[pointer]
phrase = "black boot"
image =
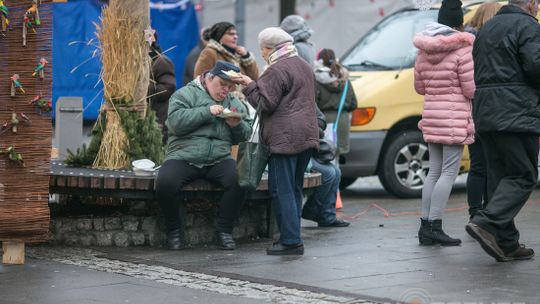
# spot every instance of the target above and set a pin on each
(440, 237)
(175, 240)
(225, 241)
(424, 234)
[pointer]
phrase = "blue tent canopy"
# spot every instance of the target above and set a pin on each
(76, 62)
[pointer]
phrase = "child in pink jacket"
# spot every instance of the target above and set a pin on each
(444, 74)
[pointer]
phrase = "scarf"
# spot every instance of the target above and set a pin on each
(282, 51)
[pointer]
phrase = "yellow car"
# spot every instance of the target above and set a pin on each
(385, 139)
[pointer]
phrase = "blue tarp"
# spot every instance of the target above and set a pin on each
(76, 62)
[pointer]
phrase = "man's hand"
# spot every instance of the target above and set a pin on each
(233, 121)
(240, 50)
(216, 109)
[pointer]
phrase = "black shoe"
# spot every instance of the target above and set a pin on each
(175, 240)
(308, 216)
(425, 235)
(335, 223)
(225, 241)
(439, 236)
(280, 249)
(486, 240)
(521, 253)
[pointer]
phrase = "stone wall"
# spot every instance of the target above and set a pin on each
(141, 226)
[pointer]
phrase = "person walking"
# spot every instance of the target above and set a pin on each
(222, 45)
(444, 74)
(331, 79)
(199, 147)
(286, 95)
(297, 27)
(477, 176)
(507, 66)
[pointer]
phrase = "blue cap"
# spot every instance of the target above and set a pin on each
(221, 67)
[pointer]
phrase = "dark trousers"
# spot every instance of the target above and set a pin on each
(477, 178)
(174, 174)
(285, 183)
(512, 160)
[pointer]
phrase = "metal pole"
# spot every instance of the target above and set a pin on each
(240, 20)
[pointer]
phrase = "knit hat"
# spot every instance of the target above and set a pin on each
(218, 30)
(271, 37)
(450, 13)
(293, 23)
(297, 27)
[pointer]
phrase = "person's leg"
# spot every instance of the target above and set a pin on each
(325, 195)
(233, 197)
(495, 165)
(172, 176)
(435, 167)
(520, 154)
(281, 183)
(476, 178)
(451, 158)
(302, 161)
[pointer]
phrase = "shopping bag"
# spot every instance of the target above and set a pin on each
(252, 157)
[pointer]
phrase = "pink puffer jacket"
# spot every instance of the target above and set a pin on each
(444, 74)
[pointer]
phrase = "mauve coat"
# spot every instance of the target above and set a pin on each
(286, 93)
(444, 74)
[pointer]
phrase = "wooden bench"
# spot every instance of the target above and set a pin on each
(200, 196)
(125, 184)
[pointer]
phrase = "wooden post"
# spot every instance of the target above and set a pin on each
(13, 252)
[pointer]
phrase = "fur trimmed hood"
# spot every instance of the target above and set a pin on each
(438, 41)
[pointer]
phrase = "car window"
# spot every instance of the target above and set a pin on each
(389, 45)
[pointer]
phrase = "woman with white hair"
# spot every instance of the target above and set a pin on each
(285, 93)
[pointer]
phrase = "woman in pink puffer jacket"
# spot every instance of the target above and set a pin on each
(444, 75)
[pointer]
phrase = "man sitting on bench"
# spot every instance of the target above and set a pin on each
(202, 126)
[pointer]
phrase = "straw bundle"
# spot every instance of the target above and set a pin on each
(124, 53)
(125, 75)
(24, 211)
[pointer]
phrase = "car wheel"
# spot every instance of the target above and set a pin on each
(404, 165)
(346, 182)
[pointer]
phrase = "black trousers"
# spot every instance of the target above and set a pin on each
(174, 174)
(512, 166)
(477, 177)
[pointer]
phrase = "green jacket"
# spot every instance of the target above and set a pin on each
(197, 136)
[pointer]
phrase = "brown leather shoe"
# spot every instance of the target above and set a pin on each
(521, 253)
(486, 240)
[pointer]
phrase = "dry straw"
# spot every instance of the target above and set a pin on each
(125, 76)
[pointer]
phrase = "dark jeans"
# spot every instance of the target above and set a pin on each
(512, 160)
(321, 204)
(174, 174)
(285, 183)
(476, 179)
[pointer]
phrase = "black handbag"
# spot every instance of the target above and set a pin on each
(252, 159)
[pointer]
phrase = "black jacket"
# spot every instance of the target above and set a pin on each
(162, 86)
(327, 149)
(507, 73)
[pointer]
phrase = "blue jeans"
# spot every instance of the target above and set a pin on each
(285, 182)
(321, 205)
